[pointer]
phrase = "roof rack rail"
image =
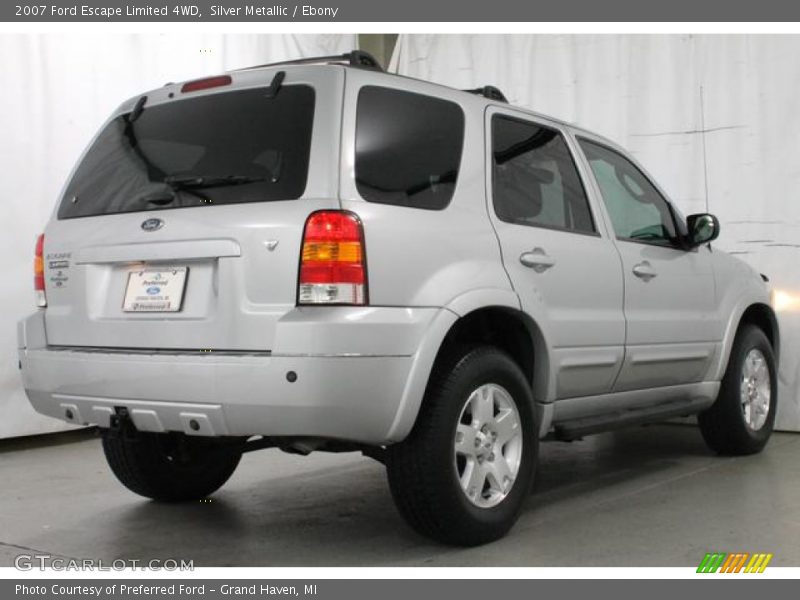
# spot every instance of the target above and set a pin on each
(490, 92)
(354, 58)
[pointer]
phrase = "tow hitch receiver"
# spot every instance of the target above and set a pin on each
(121, 425)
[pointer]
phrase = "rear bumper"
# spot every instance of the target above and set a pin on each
(348, 385)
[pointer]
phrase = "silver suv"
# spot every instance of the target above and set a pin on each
(328, 257)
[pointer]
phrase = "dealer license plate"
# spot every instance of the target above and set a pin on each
(155, 290)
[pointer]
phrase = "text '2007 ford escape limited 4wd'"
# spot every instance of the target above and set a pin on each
(328, 257)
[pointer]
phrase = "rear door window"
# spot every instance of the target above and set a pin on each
(222, 148)
(408, 148)
(534, 179)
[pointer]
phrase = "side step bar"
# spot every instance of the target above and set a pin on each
(577, 428)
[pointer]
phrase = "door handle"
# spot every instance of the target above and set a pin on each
(644, 271)
(537, 259)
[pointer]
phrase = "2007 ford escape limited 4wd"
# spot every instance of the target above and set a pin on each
(323, 256)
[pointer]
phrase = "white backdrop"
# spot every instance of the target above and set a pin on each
(56, 92)
(712, 112)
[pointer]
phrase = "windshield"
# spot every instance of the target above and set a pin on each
(224, 148)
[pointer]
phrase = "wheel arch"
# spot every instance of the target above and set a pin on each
(510, 330)
(762, 316)
(500, 323)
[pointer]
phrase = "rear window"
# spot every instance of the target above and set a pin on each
(408, 148)
(224, 148)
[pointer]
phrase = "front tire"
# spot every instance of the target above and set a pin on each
(464, 472)
(171, 467)
(741, 420)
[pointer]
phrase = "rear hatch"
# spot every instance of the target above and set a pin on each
(181, 226)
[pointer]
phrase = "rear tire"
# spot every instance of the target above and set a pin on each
(464, 472)
(171, 467)
(741, 420)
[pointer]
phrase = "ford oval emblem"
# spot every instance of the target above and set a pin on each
(152, 224)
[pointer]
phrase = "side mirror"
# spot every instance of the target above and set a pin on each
(703, 228)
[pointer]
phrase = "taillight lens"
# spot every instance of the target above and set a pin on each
(333, 260)
(38, 272)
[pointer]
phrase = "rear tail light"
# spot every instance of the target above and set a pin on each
(333, 260)
(38, 273)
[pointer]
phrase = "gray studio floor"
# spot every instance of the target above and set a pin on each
(650, 496)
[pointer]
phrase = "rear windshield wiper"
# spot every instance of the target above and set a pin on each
(205, 181)
(189, 185)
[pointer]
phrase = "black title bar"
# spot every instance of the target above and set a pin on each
(401, 10)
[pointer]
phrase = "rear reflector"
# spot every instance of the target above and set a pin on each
(204, 84)
(38, 273)
(333, 260)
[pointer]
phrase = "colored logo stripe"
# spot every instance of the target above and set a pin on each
(758, 563)
(711, 562)
(734, 562)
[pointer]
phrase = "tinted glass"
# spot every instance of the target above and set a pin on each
(408, 148)
(534, 179)
(638, 212)
(221, 148)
